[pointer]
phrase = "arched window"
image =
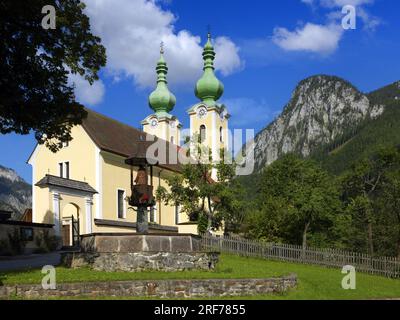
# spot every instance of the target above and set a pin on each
(172, 139)
(202, 133)
(221, 139)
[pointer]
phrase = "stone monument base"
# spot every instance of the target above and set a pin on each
(139, 252)
(141, 261)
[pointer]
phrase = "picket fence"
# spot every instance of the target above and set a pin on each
(333, 258)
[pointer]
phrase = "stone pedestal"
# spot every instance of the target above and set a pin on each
(138, 252)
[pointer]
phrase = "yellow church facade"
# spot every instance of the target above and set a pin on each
(89, 180)
(84, 187)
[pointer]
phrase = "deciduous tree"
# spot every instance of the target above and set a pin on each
(35, 94)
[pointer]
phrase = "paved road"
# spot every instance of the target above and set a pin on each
(29, 261)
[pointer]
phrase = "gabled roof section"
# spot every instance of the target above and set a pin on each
(113, 136)
(54, 181)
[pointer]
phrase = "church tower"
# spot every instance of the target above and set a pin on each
(161, 123)
(208, 118)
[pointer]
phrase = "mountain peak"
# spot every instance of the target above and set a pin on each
(322, 107)
(9, 174)
(324, 78)
(15, 193)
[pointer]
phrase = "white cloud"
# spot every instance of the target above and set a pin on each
(370, 22)
(227, 56)
(247, 112)
(131, 31)
(85, 93)
(342, 3)
(311, 37)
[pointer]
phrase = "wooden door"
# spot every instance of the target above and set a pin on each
(66, 235)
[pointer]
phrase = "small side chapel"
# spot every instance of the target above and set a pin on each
(84, 187)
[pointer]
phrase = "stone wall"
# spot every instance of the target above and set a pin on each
(140, 261)
(158, 288)
(7, 227)
(137, 252)
(125, 243)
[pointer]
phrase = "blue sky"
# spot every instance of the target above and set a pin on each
(265, 48)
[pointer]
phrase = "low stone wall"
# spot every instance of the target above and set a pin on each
(124, 243)
(158, 288)
(35, 229)
(140, 261)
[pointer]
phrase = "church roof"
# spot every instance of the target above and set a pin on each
(113, 136)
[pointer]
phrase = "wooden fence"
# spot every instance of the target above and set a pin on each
(333, 258)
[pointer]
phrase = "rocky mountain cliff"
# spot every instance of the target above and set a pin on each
(15, 193)
(322, 108)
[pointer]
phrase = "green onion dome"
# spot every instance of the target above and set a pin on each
(161, 100)
(208, 88)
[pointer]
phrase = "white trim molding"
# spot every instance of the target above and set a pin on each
(99, 184)
(33, 194)
(64, 171)
(123, 203)
(56, 211)
(88, 215)
(32, 162)
(69, 191)
(214, 145)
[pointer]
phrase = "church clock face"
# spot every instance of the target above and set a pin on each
(172, 125)
(153, 123)
(201, 112)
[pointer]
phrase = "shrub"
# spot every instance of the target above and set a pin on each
(4, 247)
(46, 242)
(15, 242)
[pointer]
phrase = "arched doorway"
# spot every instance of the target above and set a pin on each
(70, 225)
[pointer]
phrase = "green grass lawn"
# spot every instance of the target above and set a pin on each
(313, 282)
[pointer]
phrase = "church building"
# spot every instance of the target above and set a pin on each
(84, 187)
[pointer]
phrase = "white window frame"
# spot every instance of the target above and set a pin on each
(205, 133)
(177, 213)
(154, 208)
(63, 168)
(123, 203)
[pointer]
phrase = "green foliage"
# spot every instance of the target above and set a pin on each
(4, 247)
(46, 242)
(313, 282)
(15, 243)
(35, 94)
(202, 224)
(203, 199)
(295, 197)
(364, 163)
(371, 192)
